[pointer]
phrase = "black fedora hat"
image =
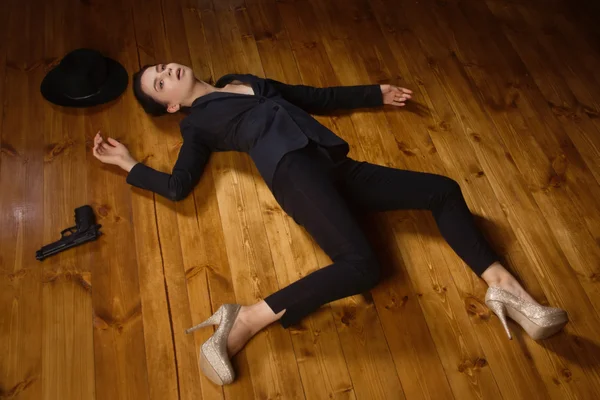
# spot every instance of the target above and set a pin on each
(84, 78)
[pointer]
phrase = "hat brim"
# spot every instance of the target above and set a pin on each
(115, 85)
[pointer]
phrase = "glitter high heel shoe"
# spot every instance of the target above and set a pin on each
(538, 321)
(214, 360)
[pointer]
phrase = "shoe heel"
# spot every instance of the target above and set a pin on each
(214, 319)
(500, 310)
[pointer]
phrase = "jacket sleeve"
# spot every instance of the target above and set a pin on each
(322, 100)
(193, 157)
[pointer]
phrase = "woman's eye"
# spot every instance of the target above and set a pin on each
(161, 84)
(163, 67)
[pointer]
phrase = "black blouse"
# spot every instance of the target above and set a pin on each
(267, 125)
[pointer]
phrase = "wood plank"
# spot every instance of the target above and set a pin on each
(552, 136)
(505, 102)
(22, 208)
(175, 47)
(581, 68)
(578, 245)
(583, 51)
(4, 25)
(578, 190)
(156, 46)
(491, 154)
(583, 15)
(569, 192)
(66, 297)
(553, 212)
(454, 151)
(68, 348)
(557, 34)
(571, 108)
(160, 346)
(119, 335)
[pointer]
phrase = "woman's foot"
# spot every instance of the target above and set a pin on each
(497, 276)
(240, 334)
(250, 320)
(213, 358)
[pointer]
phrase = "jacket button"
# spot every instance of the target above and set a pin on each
(276, 108)
(262, 100)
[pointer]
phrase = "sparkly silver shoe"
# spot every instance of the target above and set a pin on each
(214, 360)
(538, 321)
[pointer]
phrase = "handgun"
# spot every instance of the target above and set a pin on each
(85, 230)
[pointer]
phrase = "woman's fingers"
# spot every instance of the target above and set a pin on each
(113, 142)
(402, 90)
(99, 154)
(99, 141)
(107, 146)
(102, 150)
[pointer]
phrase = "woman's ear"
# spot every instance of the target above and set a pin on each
(173, 108)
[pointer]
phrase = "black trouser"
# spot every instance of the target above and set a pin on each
(320, 195)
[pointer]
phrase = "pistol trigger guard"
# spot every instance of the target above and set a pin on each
(71, 230)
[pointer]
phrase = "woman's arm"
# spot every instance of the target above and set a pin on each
(322, 100)
(192, 159)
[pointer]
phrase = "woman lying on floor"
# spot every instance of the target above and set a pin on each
(306, 167)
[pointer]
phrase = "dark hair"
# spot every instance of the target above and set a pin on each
(150, 105)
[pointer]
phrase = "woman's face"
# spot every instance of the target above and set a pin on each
(169, 84)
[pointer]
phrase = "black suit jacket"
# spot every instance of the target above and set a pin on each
(267, 125)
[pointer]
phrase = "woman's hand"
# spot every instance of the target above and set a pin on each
(394, 95)
(112, 152)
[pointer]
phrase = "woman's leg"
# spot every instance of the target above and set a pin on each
(378, 188)
(305, 188)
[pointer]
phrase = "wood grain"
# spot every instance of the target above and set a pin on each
(505, 102)
(67, 347)
(22, 210)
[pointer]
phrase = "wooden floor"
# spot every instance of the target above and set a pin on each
(507, 102)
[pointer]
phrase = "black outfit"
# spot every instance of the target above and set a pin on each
(306, 167)
(267, 125)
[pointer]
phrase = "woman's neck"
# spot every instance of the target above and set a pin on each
(200, 89)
